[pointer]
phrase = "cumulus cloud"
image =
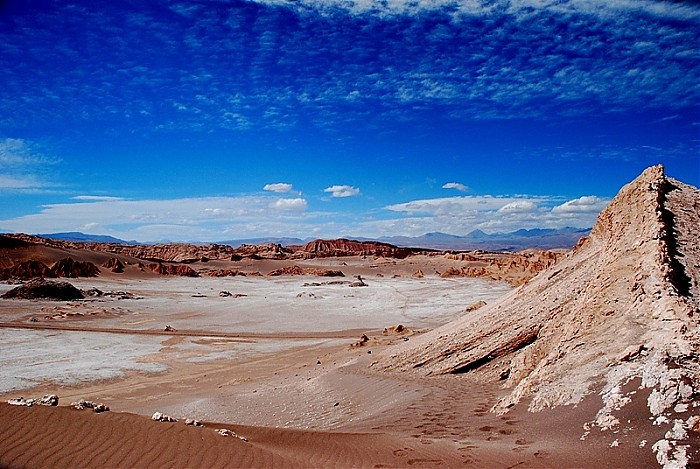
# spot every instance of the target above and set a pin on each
(455, 185)
(458, 205)
(280, 187)
(518, 206)
(342, 191)
(460, 215)
(585, 204)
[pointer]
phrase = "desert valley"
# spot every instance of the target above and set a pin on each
(342, 353)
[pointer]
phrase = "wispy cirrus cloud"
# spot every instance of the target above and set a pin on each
(23, 166)
(676, 10)
(203, 218)
(374, 63)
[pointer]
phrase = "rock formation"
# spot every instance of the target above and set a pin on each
(172, 252)
(346, 247)
(514, 268)
(296, 270)
(262, 251)
(114, 265)
(171, 269)
(70, 268)
(623, 305)
(46, 289)
(289, 270)
(27, 270)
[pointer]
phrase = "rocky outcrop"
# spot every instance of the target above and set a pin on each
(296, 270)
(114, 265)
(514, 268)
(45, 289)
(172, 269)
(262, 251)
(346, 247)
(172, 252)
(398, 329)
(70, 268)
(66, 267)
(623, 305)
(27, 270)
(289, 270)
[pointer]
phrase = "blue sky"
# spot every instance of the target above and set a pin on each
(213, 120)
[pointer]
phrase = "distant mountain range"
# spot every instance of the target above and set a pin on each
(538, 238)
(77, 236)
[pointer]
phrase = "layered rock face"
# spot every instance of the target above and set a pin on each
(501, 266)
(66, 267)
(346, 247)
(174, 252)
(624, 304)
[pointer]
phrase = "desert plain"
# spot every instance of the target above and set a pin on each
(369, 359)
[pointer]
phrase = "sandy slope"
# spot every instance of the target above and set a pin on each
(621, 306)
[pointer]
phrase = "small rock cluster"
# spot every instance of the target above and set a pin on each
(159, 417)
(48, 400)
(227, 432)
(83, 404)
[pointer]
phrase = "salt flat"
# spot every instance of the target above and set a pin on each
(90, 339)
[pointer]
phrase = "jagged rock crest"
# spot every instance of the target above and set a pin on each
(623, 304)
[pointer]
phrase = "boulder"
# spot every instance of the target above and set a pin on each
(45, 289)
(160, 417)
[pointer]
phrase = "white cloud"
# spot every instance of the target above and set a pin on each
(96, 198)
(185, 219)
(586, 204)
(342, 191)
(280, 187)
(519, 206)
(460, 215)
(603, 8)
(9, 182)
(457, 205)
(456, 185)
(290, 204)
(219, 218)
